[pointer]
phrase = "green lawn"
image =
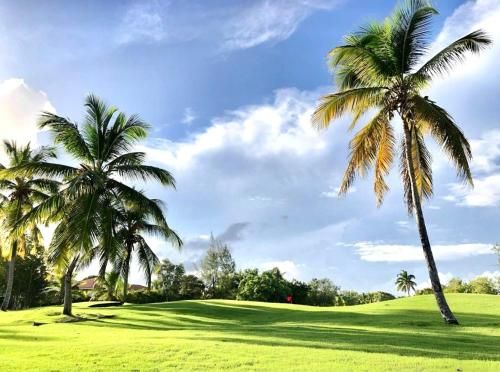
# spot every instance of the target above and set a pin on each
(399, 335)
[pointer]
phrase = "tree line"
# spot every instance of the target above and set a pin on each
(37, 284)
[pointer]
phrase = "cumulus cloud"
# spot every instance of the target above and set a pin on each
(486, 192)
(20, 106)
(142, 21)
(486, 164)
(289, 269)
(444, 278)
(381, 252)
(269, 20)
(283, 127)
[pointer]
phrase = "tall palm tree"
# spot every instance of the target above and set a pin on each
(381, 68)
(20, 195)
(135, 221)
(85, 206)
(405, 282)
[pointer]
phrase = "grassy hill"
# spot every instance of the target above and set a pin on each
(405, 334)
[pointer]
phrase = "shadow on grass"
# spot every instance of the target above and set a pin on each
(401, 332)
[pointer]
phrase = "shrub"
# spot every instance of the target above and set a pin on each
(145, 297)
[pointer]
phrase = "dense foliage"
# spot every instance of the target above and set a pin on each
(478, 285)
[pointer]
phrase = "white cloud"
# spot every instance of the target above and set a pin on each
(486, 163)
(380, 252)
(333, 192)
(269, 20)
(444, 278)
(189, 116)
(283, 127)
(20, 106)
(486, 192)
(142, 21)
(486, 151)
(288, 268)
(488, 274)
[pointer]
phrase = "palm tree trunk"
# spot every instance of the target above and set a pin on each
(68, 299)
(445, 310)
(10, 277)
(126, 272)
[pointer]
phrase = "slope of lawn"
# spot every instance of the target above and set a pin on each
(404, 334)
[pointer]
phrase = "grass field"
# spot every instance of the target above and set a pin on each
(399, 335)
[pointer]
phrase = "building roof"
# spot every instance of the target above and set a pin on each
(89, 283)
(136, 287)
(86, 284)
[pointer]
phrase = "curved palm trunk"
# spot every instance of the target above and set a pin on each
(68, 299)
(126, 272)
(445, 310)
(10, 277)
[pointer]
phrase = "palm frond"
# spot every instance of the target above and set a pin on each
(364, 147)
(410, 32)
(446, 133)
(421, 159)
(333, 106)
(66, 134)
(145, 173)
(384, 160)
(444, 60)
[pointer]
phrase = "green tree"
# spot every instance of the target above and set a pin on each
(405, 282)
(20, 193)
(86, 204)
(168, 279)
(218, 270)
(381, 67)
(349, 298)
(322, 292)
(299, 291)
(456, 285)
(191, 287)
(133, 222)
(482, 285)
(30, 281)
(270, 286)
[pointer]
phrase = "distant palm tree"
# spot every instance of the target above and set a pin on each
(19, 195)
(107, 287)
(381, 68)
(405, 282)
(133, 223)
(86, 204)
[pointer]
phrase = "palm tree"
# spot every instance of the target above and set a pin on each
(20, 195)
(107, 287)
(135, 221)
(381, 68)
(86, 204)
(405, 282)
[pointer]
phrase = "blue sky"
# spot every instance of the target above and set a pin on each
(228, 87)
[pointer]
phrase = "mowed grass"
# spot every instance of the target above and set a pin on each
(399, 335)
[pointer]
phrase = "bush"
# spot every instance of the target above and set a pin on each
(145, 297)
(482, 285)
(322, 292)
(270, 286)
(380, 296)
